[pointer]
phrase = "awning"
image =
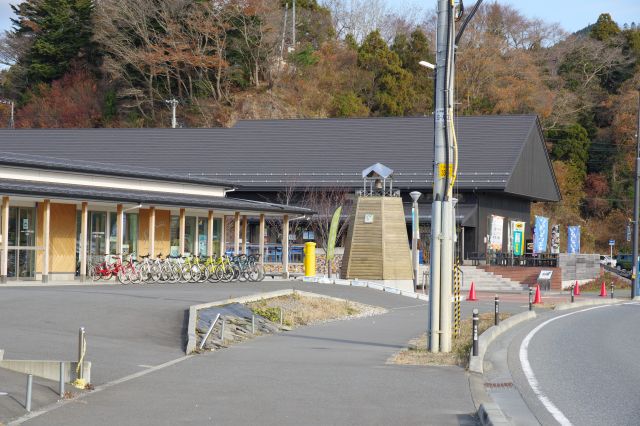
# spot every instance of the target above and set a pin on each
(466, 214)
(116, 195)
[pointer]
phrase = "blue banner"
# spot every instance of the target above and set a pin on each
(541, 234)
(573, 241)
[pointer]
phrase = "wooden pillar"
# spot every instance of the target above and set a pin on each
(244, 234)
(152, 232)
(262, 239)
(183, 221)
(5, 240)
(236, 234)
(119, 229)
(107, 240)
(210, 234)
(84, 221)
(46, 227)
(285, 246)
(223, 236)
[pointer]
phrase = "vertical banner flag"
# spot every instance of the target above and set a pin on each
(541, 234)
(555, 239)
(495, 241)
(573, 241)
(518, 238)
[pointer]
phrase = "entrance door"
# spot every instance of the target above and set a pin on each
(22, 243)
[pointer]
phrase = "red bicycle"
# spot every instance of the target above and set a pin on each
(106, 269)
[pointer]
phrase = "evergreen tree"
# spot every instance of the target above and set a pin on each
(571, 145)
(391, 93)
(604, 28)
(411, 50)
(60, 32)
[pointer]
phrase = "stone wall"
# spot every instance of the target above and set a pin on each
(579, 267)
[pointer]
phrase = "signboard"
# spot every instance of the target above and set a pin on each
(612, 242)
(25, 224)
(442, 170)
(541, 234)
(518, 238)
(368, 218)
(495, 238)
(545, 275)
(573, 241)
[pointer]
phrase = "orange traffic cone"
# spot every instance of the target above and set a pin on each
(603, 290)
(576, 289)
(472, 293)
(537, 298)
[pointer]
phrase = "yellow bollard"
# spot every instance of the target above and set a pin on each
(310, 259)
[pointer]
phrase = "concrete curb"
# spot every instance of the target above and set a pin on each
(490, 414)
(371, 285)
(583, 303)
(485, 339)
(193, 311)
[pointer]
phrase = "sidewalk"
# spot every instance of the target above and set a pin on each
(333, 373)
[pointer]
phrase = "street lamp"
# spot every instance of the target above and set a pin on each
(427, 65)
(11, 105)
(415, 236)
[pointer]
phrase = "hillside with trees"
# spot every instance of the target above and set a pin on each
(115, 63)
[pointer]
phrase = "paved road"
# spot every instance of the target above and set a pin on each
(585, 365)
(333, 373)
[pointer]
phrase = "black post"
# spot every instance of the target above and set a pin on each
(612, 290)
(475, 332)
(572, 295)
(496, 303)
(530, 299)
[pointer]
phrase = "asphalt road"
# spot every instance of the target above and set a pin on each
(334, 373)
(585, 366)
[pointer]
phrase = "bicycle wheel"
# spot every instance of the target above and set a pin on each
(134, 274)
(155, 273)
(213, 277)
(224, 273)
(195, 273)
(204, 272)
(94, 272)
(122, 276)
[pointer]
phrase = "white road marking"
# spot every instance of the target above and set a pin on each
(102, 387)
(528, 371)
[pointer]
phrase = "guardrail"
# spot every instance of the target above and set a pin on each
(620, 272)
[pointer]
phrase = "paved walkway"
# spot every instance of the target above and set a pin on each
(333, 373)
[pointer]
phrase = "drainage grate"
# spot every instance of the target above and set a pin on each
(498, 385)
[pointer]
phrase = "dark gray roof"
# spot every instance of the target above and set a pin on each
(114, 168)
(270, 154)
(84, 193)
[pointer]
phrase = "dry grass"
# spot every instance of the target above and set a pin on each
(301, 310)
(417, 353)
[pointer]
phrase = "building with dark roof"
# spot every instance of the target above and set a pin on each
(504, 165)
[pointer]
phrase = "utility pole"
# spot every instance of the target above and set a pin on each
(174, 104)
(636, 211)
(440, 307)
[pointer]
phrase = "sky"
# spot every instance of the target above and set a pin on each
(572, 15)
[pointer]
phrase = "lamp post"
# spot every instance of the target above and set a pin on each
(415, 236)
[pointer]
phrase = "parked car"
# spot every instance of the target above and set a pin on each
(608, 260)
(624, 261)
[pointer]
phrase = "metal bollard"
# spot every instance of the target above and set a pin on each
(253, 324)
(222, 331)
(61, 387)
(281, 317)
(81, 351)
(612, 287)
(27, 404)
(496, 309)
(475, 332)
(530, 299)
(572, 295)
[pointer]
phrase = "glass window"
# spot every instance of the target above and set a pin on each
(203, 235)
(113, 232)
(217, 233)
(190, 235)
(130, 236)
(174, 235)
